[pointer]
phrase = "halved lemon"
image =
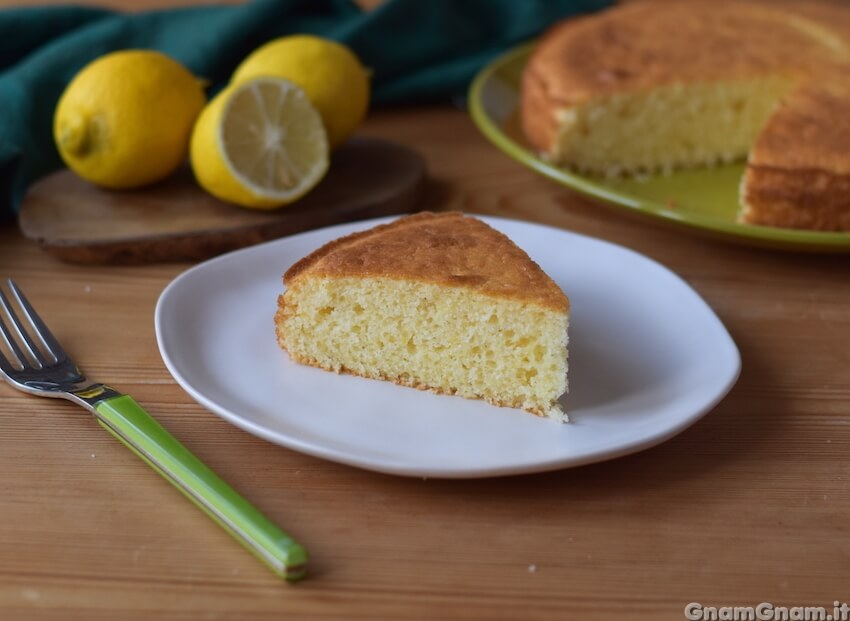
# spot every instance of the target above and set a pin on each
(259, 144)
(329, 72)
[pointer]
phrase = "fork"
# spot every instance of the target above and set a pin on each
(36, 363)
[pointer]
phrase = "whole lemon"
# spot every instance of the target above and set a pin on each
(125, 119)
(330, 74)
(259, 144)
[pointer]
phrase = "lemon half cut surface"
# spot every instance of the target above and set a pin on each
(329, 72)
(260, 144)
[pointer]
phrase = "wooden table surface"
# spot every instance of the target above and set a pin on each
(751, 504)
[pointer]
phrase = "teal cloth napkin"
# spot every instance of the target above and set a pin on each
(418, 50)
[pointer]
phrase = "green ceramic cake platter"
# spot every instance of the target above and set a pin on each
(703, 201)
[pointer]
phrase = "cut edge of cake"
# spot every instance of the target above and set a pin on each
(606, 135)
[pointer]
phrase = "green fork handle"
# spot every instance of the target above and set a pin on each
(127, 421)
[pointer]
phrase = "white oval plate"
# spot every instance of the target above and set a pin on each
(648, 358)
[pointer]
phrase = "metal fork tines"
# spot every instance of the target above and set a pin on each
(34, 360)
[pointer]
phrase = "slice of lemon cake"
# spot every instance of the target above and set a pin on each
(440, 302)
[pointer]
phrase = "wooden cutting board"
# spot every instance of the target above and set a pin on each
(177, 221)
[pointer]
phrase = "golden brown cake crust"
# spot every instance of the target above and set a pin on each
(643, 45)
(448, 249)
(809, 130)
(798, 173)
(797, 199)
(538, 113)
